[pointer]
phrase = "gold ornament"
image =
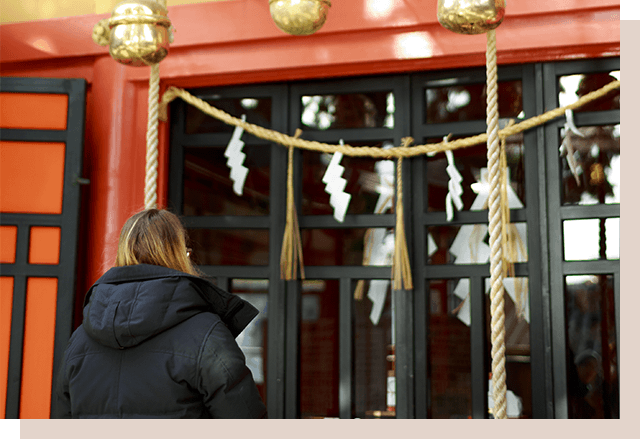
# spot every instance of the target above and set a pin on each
(471, 16)
(138, 33)
(299, 17)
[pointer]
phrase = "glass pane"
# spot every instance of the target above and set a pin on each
(252, 340)
(517, 345)
(572, 87)
(257, 110)
(469, 244)
(349, 110)
(229, 247)
(458, 103)
(471, 163)
(371, 183)
(449, 349)
(374, 350)
(347, 246)
(591, 239)
(208, 188)
(596, 159)
(319, 349)
(593, 387)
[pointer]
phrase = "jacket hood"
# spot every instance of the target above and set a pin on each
(130, 304)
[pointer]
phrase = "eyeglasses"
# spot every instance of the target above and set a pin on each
(189, 252)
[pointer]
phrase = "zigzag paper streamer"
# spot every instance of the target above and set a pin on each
(455, 188)
(335, 185)
(235, 159)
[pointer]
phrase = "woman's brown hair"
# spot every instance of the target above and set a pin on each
(154, 237)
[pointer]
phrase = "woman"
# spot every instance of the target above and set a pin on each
(157, 340)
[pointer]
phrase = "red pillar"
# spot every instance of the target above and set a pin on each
(114, 162)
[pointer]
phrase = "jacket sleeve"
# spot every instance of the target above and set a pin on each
(224, 379)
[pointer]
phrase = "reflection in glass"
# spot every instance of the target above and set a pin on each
(593, 387)
(252, 340)
(449, 351)
(351, 110)
(319, 349)
(573, 87)
(344, 246)
(597, 162)
(374, 352)
(517, 344)
(472, 165)
(469, 244)
(591, 239)
(208, 188)
(371, 183)
(457, 103)
(229, 247)
(257, 111)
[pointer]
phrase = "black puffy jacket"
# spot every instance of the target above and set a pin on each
(157, 343)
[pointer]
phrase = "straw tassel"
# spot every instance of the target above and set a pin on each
(401, 269)
(291, 253)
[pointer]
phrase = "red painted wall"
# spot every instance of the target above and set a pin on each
(236, 42)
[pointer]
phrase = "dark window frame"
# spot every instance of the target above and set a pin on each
(542, 213)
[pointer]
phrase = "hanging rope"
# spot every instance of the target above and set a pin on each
(370, 151)
(401, 269)
(151, 169)
(495, 234)
(291, 253)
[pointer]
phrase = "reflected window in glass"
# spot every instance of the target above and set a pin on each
(348, 110)
(596, 160)
(517, 317)
(458, 103)
(229, 247)
(371, 183)
(257, 111)
(593, 388)
(471, 163)
(591, 239)
(252, 339)
(469, 244)
(319, 349)
(209, 190)
(347, 246)
(374, 350)
(573, 87)
(449, 345)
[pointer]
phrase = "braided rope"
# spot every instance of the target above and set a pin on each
(151, 168)
(371, 151)
(495, 235)
(151, 174)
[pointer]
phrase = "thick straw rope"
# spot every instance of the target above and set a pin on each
(370, 151)
(495, 235)
(151, 168)
(151, 174)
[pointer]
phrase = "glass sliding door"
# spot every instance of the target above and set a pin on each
(341, 343)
